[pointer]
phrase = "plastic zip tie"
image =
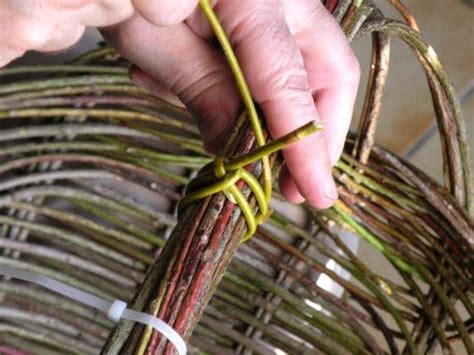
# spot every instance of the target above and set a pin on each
(115, 310)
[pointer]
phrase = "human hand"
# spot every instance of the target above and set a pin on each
(46, 25)
(293, 53)
(295, 57)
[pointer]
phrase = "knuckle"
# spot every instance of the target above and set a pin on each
(64, 37)
(352, 66)
(252, 21)
(32, 36)
(289, 83)
(342, 69)
(192, 91)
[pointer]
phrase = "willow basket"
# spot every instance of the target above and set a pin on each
(91, 169)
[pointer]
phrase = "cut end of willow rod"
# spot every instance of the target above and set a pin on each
(274, 146)
(294, 136)
(308, 129)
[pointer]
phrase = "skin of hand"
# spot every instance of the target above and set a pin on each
(295, 57)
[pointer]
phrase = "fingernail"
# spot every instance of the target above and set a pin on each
(139, 82)
(136, 76)
(330, 191)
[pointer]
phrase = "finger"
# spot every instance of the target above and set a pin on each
(277, 77)
(97, 13)
(12, 43)
(17, 31)
(165, 12)
(333, 70)
(63, 37)
(147, 82)
(288, 187)
(186, 65)
(50, 26)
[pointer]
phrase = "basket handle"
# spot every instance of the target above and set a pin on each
(353, 17)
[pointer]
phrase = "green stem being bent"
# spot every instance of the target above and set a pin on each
(242, 87)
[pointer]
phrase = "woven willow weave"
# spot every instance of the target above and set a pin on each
(92, 168)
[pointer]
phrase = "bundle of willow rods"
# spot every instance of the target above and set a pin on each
(91, 170)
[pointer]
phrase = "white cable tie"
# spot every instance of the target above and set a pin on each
(115, 310)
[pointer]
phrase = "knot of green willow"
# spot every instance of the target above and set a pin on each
(223, 175)
(226, 173)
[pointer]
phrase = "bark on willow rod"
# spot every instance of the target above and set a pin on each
(180, 283)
